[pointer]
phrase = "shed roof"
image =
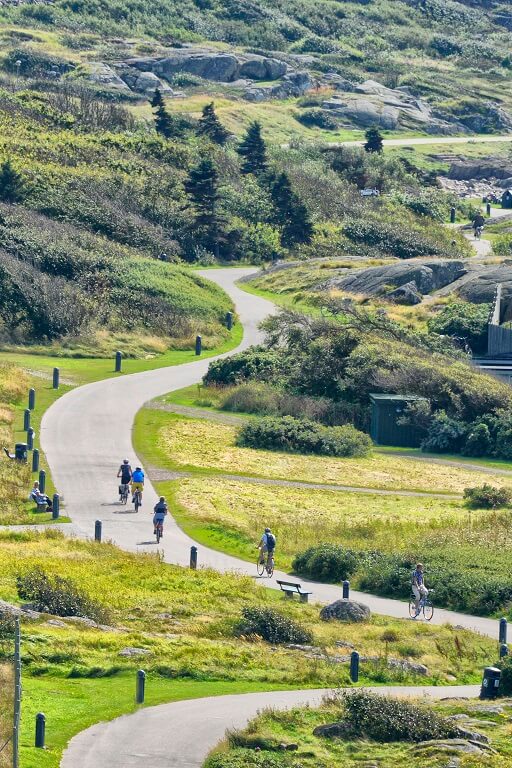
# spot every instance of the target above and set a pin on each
(398, 398)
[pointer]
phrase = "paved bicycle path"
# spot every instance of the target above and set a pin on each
(87, 432)
(181, 734)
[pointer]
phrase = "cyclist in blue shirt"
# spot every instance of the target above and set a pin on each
(418, 586)
(137, 482)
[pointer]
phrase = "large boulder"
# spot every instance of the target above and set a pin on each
(345, 610)
(102, 74)
(427, 276)
(407, 294)
(482, 287)
(143, 82)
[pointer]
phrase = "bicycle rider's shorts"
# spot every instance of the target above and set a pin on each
(419, 592)
(137, 487)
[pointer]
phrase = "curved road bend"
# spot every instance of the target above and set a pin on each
(87, 432)
(180, 735)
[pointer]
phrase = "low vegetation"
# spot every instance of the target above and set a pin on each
(272, 626)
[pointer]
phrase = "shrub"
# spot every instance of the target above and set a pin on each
(326, 563)
(271, 626)
(505, 665)
(478, 441)
(286, 433)
(318, 118)
(253, 397)
(57, 595)
(487, 497)
(444, 435)
(253, 363)
(463, 319)
(385, 719)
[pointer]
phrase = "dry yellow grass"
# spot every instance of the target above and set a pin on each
(198, 443)
(6, 704)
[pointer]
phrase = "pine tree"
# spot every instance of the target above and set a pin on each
(165, 124)
(253, 150)
(12, 186)
(202, 186)
(157, 100)
(291, 213)
(374, 141)
(210, 125)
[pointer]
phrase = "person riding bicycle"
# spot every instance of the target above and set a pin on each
(478, 223)
(418, 586)
(125, 473)
(137, 483)
(267, 545)
(160, 512)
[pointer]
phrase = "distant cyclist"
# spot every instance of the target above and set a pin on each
(160, 513)
(418, 586)
(478, 224)
(125, 473)
(137, 482)
(267, 546)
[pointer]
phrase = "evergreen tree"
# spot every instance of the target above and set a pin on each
(202, 186)
(12, 186)
(253, 151)
(291, 213)
(373, 140)
(165, 124)
(157, 100)
(210, 125)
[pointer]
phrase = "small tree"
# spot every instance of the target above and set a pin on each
(210, 125)
(253, 151)
(374, 142)
(165, 124)
(202, 186)
(157, 99)
(12, 186)
(291, 213)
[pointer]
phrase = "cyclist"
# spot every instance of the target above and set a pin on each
(267, 546)
(137, 482)
(418, 586)
(478, 224)
(125, 473)
(160, 512)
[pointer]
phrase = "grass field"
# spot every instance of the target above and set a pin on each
(199, 445)
(274, 727)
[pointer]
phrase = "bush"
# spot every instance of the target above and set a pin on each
(271, 626)
(326, 563)
(303, 436)
(253, 363)
(317, 118)
(487, 497)
(505, 665)
(385, 719)
(462, 319)
(478, 441)
(57, 595)
(444, 435)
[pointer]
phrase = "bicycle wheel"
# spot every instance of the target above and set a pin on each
(412, 607)
(260, 567)
(270, 569)
(137, 501)
(158, 534)
(428, 610)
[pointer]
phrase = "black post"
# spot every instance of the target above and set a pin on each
(97, 530)
(56, 376)
(199, 345)
(56, 506)
(141, 686)
(26, 419)
(229, 320)
(119, 358)
(193, 558)
(31, 399)
(35, 461)
(488, 209)
(40, 730)
(453, 213)
(503, 650)
(346, 590)
(30, 438)
(503, 631)
(354, 666)
(42, 480)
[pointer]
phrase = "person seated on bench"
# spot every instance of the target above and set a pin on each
(40, 498)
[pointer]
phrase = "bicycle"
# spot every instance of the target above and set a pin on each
(478, 232)
(137, 500)
(123, 493)
(159, 531)
(262, 566)
(426, 607)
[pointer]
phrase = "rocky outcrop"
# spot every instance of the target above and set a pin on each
(407, 294)
(102, 74)
(449, 746)
(293, 84)
(211, 65)
(143, 82)
(482, 287)
(345, 610)
(424, 276)
(493, 169)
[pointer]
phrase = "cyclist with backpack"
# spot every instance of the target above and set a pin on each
(125, 473)
(267, 546)
(160, 513)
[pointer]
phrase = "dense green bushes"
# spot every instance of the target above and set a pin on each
(271, 626)
(326, 562)
(303, 436)
(254, 363)
(463, 320)
(57, 595)
(487, 497)
(395, 239)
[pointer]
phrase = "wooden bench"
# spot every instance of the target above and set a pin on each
(291, 588)
(42, 506)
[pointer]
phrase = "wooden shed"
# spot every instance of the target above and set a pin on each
(384, 427)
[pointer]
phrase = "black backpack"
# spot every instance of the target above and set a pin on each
(271, 541)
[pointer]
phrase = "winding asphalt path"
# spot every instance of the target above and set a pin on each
(85, 435)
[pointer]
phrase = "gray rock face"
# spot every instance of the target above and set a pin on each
(334, 731)
(345, 610)
(102, 74)
(292, 84)
(498, 169)
(212, 65)
(131, 652)
(143, 82)
(407, 294)
(482, 287)
(426, 276)
(451, 745)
